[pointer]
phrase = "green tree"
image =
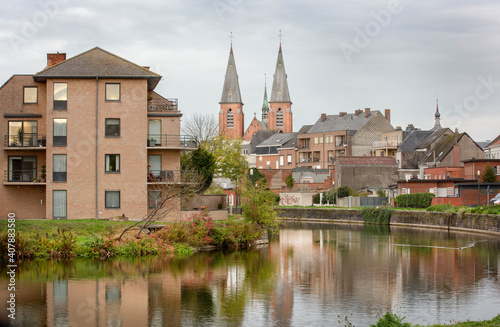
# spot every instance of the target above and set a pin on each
(202, 161)
(489, 175)
(289, 181)
(344, 191)
(258, 203)
(254, 175)
(229, 162)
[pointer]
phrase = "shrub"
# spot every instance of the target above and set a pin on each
(258, 204)
(316, 198)
(289, 181)
(391, 320)
(415, 200)
(442, 207)
(381, 193)
(344, 191)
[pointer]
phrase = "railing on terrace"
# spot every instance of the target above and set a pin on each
(24, 176)
(172, 141)
(160, 105)
(384, 144)
(173, 176)
(25, 140)
(302, 160)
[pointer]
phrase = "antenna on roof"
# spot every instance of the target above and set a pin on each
(231, 37)
(280, 35)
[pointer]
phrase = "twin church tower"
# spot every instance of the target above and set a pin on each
(276, 113)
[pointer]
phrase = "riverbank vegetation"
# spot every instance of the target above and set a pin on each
(485, 210)
(393, 320)
(98, 239)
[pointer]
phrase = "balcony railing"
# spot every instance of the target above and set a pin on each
(173, 176)
(385, 144)
(172, 141)
(25, 140)
(161, 105)
(24, 176)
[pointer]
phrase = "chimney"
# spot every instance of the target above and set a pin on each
(410, 127)
(357, 112)
(367, 112)
(342, 114)
(388, 115)
(323, 117)
(55, 58)
(398, 128)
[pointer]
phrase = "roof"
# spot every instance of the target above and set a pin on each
(97, 62)
(434, 137)
(442, 148)
(292, 143)
(231, 90)
(279, 92)
(496, 141)
(304, 129)
(277, 139)
(413, 140)
(351, 122)
(367, 161)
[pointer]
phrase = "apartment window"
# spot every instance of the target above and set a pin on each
(315, 140)
(230, 118)
(112, 91)
(289, 159)
(282, 160)
(154, 199)
(112, 199)
(60, 96)
(60, 132)
(59, 168)
(112, 163)
(30, 95)
(112, 127)
(22, 169)
(154, 132)
(320, 140)
(279, 117)
(59, 204)
(23, 133)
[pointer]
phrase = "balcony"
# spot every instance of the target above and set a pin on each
(24, 177)
(172, 142)
(385, 144)
(162, 105)
(173, 176)
(26, 141)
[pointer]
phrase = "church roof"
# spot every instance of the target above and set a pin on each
(231, 90)
(97, 62)
(279, 92)
(265, 103)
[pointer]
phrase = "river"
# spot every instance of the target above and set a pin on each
(311, 275)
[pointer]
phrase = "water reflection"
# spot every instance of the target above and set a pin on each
(312, 274)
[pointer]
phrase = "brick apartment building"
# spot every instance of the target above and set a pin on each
(79, 137)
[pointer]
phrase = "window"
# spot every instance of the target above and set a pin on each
(59, 204)
(112, 163)
(23, 133)
(230, 118)
(60, 130)
(59, 168)
(289, 159)
(112, 199)
(154, 199)
(282, 160)
(60, 96)
(112, 91)
(112, 127)
(22, 169)
(154, 132)
(30, 95)
(155, 163)
(279, 117)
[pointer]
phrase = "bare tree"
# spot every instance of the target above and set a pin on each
(203, 126)
(166, 194)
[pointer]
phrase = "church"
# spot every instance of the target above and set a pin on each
(276, 113)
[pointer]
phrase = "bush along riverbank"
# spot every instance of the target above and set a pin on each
(60, 239)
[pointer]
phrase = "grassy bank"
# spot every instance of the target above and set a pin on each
(393, 320)
(96, 238)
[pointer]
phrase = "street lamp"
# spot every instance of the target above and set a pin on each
(478, 189)
(407, 192)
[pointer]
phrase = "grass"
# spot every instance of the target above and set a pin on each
(393, 320)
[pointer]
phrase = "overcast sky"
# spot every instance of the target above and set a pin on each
(339, 55)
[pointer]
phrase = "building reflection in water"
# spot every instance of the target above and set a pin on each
(309, 276)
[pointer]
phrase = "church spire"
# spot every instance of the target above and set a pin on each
(279, 92)
(437, 117)
(265, 104)
(231, 90)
